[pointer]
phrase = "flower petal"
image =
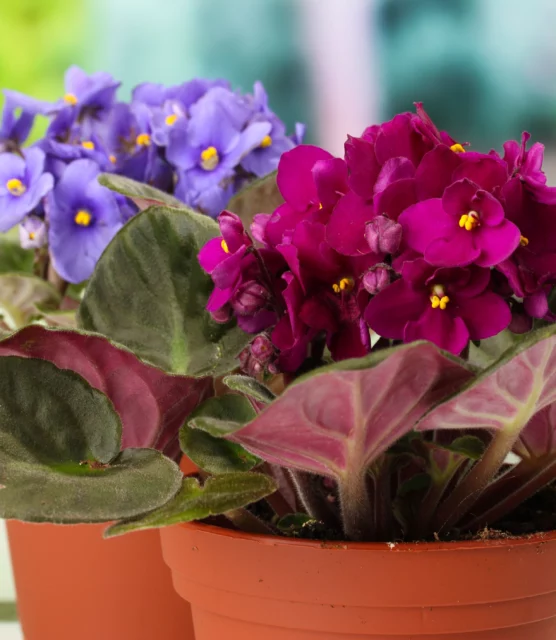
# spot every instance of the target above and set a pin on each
(456, 250)
(424, 222)
(435, 172)
(295, 179)
(485, 315)
(345, 231)
(439, 327)
(495, 243)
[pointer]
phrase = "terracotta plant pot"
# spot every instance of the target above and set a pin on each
(245, 587)
(71, 583)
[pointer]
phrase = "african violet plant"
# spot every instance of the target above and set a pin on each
(379, 344)
(198, 143)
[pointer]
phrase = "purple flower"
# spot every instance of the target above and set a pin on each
(83, 218)
(32, 232)
(448, 306)
(23, 184)
(88, 92)
(467, 225)
(14, 127)
(212, 146)
(264, 159)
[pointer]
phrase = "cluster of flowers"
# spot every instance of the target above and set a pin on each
(199, 141)
(410, 235)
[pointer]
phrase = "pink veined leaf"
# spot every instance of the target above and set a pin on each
(507, 394)
(152, 405)
(538, 438)
(337, 421)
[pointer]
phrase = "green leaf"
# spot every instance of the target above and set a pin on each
(64, 319)
(214, 455)
(20, 296)
(142, 194)
(250, 387)
(149, 293)
(469, 446)
(60, 457)
(222, 415)
(489, 350)
(261, 196)
(293, 522)
(15, 259)
(218, 495)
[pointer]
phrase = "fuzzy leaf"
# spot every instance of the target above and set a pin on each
(261, 196)
(14, 259)
(339, 419)
(151, 404)
(218, 495)
(507, 394)
(250, 387)
(222, 415)
(149, 293)
(142, 194)
(63, 319)
(215, 455)
(292, 523)
(20, 295)
(60, 457)
(469, 446)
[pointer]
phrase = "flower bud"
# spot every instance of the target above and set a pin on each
(32, 232)
(262, 349)
(376, 279)
(222, 315)
(249, 298)
(383, 235)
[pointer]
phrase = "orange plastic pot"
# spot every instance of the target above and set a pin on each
(244, 587)
(71, 583)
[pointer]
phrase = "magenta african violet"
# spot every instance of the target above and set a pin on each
(457, 235)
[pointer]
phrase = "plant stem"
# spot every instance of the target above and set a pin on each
(472, 486)
(55, 280)
(382, 500)
(526, 479)
(313, 502)
(357, 513)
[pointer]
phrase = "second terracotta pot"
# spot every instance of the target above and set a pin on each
(71, 583)
(245, 587)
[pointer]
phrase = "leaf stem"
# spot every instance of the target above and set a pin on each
(313, 502)
(357, 513)
(472, 486)
(246, 521)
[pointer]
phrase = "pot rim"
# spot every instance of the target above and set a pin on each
(394, 547)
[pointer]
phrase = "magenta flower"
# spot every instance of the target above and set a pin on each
(447, 306)
(467, 225)
(311, 181)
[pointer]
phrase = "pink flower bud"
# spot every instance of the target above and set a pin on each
(376, 279)
(249, 298)
(383, 235)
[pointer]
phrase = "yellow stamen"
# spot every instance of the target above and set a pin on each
(112, 158)
(457, 148)
(143, 140)
(88, 144)
(439, 303)
(70, 98)
(31, 235)
(320, 206)
(266, 142)
(224, 246)
(209, 158)
(345, 284)
(523, 241)
(83, 218)
(16, 187)
(171, 119)
(469, 220)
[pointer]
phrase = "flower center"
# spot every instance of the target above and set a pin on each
(224, 246)
(16, 187)
(345, 284)
(457, 148)
(266, 142)
(523, 241)
(88, 144)
(469, 221)
(143, 140)
(209, 158)
(83, 218)
(31, 235)
(438, 298)
(171, 119)
(112, 158)
(70, 98)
